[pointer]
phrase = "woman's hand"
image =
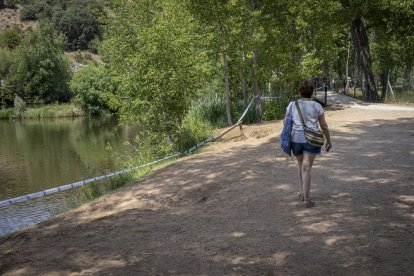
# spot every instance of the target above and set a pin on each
(328, 146)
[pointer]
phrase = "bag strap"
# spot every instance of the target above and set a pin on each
(300, 113)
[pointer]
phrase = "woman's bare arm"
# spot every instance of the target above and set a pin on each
(325, 130)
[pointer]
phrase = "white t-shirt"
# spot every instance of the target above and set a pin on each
(311, 111)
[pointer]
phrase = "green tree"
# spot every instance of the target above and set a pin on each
(153, 48)
(40, 71)
(5, 62)
(92, 86)
(79, 26)
(215, 16)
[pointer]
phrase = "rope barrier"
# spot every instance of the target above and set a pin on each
(97, 178)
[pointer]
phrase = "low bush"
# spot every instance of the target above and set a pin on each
(274, 109)
(10, 38)
(92, 86)
(193, 130)
(210, 109)
(6, 113)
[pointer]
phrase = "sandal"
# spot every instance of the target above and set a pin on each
(308, 204)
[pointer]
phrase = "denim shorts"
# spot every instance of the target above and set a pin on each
(299, 148)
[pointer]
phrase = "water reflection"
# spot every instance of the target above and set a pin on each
(41, 154)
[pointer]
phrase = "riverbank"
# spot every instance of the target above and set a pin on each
(47, 111)
(233, 209)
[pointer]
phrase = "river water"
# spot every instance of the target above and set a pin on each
(40, 154)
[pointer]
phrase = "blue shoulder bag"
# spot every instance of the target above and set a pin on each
(286, 133)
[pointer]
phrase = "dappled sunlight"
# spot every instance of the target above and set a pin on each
(238, 234)
(401, 205)
(407, 198)
(301, 239)
(334, 239)
(355, 178)
(283, 187)
(302, 213)
(238, 260)
(279, 258)
(103, 264)
(342, 195)
(409, 216)
(322, 227)
(235, 208)
(373, 154)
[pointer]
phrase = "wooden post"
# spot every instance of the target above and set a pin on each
(326, 95)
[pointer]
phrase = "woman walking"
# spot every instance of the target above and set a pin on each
(313, 114)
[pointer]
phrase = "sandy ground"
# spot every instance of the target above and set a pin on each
(233, 209)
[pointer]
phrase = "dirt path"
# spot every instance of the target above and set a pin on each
(233, 210)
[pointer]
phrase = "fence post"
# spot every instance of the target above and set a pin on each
(326, 95)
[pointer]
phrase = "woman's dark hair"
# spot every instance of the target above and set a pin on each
(306, 89)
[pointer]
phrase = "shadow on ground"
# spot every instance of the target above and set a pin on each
(237, 212)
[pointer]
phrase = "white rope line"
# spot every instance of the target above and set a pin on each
(90, 180)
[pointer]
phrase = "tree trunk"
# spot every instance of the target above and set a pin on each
(226, 75)
(361, 45)
(347, 68)
(256, 93)
(245, 100)
(244, 88)
(1, 4)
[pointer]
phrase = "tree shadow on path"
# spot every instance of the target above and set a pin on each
(237, 212)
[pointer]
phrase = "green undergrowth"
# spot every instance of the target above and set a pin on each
(401, 97)
(6, 114)
(95, 190)
(47, 111)
(203, 118)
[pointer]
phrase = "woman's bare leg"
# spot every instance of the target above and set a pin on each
(300, 161)
(306, 174)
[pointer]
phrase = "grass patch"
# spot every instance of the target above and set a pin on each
(401, 96)
(54, 111)
(96, 189)
(6, 113)
(47, 111)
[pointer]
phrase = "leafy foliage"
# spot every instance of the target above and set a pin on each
(159, 66)
(77, 19)
(40, 71)
(10, 38)
(92, 86)
(79, 26)
(6, 60)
